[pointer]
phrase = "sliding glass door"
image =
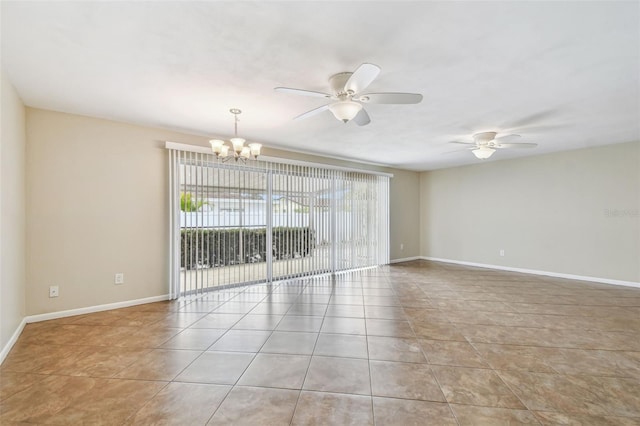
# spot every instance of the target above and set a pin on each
(261, 221)
(361, 221)
(301, 220)
(220, 211)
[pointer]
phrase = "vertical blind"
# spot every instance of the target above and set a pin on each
(234, 223)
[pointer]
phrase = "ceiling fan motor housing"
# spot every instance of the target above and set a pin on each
(484, 138)
(337, 83)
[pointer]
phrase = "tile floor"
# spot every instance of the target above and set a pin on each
(414, 343)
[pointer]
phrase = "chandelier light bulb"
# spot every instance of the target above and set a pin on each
(216, 145)
(238, 144)
(255, 149)
(245, 152)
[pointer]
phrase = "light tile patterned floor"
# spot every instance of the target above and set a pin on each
(415, 343)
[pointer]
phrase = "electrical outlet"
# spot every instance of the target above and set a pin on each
(119, 278)
(54, 291)
(501, 252)
(401, 246)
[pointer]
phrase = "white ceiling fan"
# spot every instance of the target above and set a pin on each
(485, 144)
(346, 91)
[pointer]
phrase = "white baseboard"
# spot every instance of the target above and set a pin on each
(12, 341)
(536, 272)
(405, 259)
(92, 309)
(71, 312)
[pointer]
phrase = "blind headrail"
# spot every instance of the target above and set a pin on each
(177, 146)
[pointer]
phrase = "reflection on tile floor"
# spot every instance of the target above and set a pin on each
(413, 343)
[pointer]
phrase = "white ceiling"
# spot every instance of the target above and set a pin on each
(564, 75)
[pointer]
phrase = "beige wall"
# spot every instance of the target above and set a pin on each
(97, 194)
(405, 215)
(12, 212)
(573, 212)
(97, 204)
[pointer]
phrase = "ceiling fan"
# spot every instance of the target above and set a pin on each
(485, 144)
(346, 91)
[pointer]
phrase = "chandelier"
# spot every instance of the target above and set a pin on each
(239, 151)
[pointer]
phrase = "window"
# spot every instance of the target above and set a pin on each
(263, 221)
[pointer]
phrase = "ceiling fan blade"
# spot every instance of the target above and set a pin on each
(312, 112)
(362, 118)
(516, 145)
(391, 98)
(463, 143)
(507, 137)
(302, 92)
(362, 78)
(458, 150)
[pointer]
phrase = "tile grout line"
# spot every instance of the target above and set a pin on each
(295, 407)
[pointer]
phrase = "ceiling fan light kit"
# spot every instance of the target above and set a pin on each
(486, 143)
(239, 151)
(346, 92)
(483, 152)
(345, 110)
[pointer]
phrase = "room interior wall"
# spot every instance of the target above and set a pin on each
(405, 215)
(97, 203)
(12, 212)
(573, 212)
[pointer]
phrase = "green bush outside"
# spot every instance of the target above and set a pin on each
(188, 205)
(220, 247)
